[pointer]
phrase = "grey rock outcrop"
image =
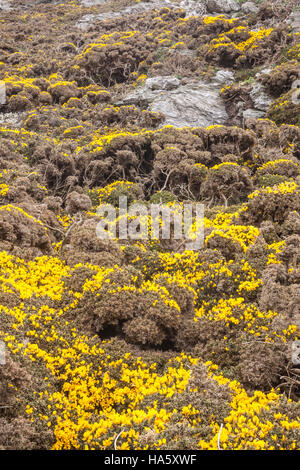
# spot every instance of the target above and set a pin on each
(2, 354)
(5, 5)
(260, 98)
(296, 353)
(88, 20)
(92, 3)
(222, 6)
(252, 113)
(195, 104)
(2, 92)
(294, 21)
(249, 7)
(162, 83)
(224, 77)
(11, 119)
(191, 8)
(191, 105)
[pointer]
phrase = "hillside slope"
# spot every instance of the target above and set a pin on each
(164, 102)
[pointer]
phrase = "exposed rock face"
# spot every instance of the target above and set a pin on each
(296, 353)
(191, 105)
(153, 87)
(294, 21)
(193, 8)
(259, 97)
(249, 7)
(252, 113)
(189, 6)
(8, 119)
(194, 104)
(91, 3)
(224, 77)
(222, 6)
(2, 93)
(11, 119)
(162, 83)
(5, 5)
(87, 20)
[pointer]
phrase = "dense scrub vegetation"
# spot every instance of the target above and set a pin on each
(145, 337)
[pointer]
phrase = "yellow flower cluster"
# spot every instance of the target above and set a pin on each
(235, 311)
(288, 187)
(104, 193)
(254, 422)
(228, 39)
(274, 163)
(244, 235)
(39, 277)
(10, 207)
(3, 189)
(99, 395)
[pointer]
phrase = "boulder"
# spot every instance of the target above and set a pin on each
(252, 113)
(196, 104)
(92, 3)
(294, 21)
(222, 6)
(259, 97)
(296, 353)
(224, 77)
(5, 5)
(11, 119)
(2, 354)
(249, 7)
(88, 20)
(191, 8)
(162, 83)
(2, 92)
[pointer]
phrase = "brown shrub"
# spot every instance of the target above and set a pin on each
(19, 103)
(290, 134)
(268, 231)
(262, 363)
(53, 203)
(21, 230)
(83, 246)
(77, 202)
(270, 206)
(12, 377)
(121, 307)
(290, 253)
(280, 80)
(53, 164)
(229, 248)
(114, 58)
(227, 183)
(21, 434)
(166, 159)
(286, 109)
(291, 224)
(229, 54)
(280, 292)
(62, 92)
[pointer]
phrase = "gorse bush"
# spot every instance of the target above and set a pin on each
(147, 340)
